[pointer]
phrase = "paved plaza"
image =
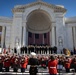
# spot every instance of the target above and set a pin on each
(41, 71)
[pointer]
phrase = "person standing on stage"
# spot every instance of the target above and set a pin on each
(55, 49)
(25, 49)
(52, 65)
(15, 50)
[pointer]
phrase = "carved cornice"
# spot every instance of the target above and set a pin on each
(5, 20)
(20, 8)
(59, 10)
(38, 31)
(70, 20)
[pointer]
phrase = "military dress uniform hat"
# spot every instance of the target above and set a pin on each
(33, 53)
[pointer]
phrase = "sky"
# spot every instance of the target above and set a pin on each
(6, 6)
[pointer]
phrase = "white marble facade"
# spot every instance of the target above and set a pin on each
(15, 30)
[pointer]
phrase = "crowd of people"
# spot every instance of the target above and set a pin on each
(38, 49)
(38, 57)
(51, 62)
(42, 49)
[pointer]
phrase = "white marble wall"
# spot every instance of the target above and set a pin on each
(69, 37)
(16, 30)
(2, 37)
(8, 36)
(59, 31)
(74, 36)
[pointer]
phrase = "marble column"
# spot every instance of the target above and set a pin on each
(43, 38)
(3, 37)
(74, 32)
(26, 38)
(53, 36)
(50, 38)
(24, 34)
(34, 38)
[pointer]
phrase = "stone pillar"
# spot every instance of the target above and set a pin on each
(3, 37)
(59, 31)
(26, 38)
(43, 38)
(53, 36)
(16, 29)
(74, 32)
(34, 38)
(50, 38)
(70, 37)
(24, 34)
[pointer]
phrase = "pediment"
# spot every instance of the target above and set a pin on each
(56, 8)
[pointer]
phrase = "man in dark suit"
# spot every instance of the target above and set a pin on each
(55, 49)
(33, 62)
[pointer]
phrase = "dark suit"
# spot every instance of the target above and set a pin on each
(33, 62)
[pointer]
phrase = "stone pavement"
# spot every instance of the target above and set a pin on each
(13, 73)
(41, 71)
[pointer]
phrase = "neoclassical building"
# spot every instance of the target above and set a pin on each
(38, 23)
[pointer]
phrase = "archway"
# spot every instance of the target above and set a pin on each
(38, 26)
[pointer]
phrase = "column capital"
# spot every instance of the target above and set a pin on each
(53, 24)
(24, 24)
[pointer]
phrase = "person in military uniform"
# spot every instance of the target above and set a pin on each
(52, 65)
(33, 62)
(67, 64)
(1, 65)
(7, 64)
(23, 64)
(73, 63)
(15, 65)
